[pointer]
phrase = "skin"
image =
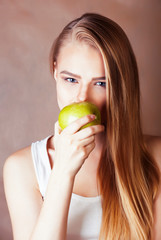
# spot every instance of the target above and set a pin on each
(74, 155)
(84, 76)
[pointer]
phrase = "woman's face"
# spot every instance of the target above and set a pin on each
(80, 75)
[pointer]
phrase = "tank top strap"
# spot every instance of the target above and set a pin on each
(41, 163)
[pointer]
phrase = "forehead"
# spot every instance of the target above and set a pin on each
(80, 55)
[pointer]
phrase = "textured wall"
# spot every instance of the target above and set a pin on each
(27, 90)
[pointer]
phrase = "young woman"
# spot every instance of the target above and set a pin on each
(102, 182)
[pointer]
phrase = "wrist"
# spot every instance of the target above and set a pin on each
(62, 176)
(59, 186)
(63, 172)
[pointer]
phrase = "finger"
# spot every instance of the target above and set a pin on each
(57, 129)
(89, 148)
(87, 141)
(89, 131)
(77, 124)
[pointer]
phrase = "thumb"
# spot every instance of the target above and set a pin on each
(57, 129)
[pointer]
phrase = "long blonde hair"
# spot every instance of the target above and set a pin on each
(127, 174)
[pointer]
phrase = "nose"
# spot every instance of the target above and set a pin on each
(82, 94)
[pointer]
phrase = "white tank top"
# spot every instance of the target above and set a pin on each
(85, 213)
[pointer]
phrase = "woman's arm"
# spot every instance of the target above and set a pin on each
(33, 219)
(52, 221)
(22, 194)
(29, 214)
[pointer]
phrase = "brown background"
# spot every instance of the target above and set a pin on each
(27, 91)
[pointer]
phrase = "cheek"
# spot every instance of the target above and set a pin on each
(64, 96)
(101, 102)
(99, 97)
(104, 114)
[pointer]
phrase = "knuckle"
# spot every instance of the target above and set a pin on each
(70, 141)
(92, 138)
(91, 130)
(76, 125)
(83, 152)
(77, 147)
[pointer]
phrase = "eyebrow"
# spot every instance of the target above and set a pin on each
(77, 76)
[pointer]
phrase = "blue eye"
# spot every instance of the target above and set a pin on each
(101, 84)
(71, 80)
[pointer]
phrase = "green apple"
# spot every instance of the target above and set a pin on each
(75, 111)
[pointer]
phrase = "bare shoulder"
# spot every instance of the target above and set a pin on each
(154, 145)
(22, 193)
(20, 165)
(19, 159)
(21, 156)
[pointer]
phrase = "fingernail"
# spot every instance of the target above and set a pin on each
(93, 116)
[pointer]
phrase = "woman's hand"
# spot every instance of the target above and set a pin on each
(73, 146)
